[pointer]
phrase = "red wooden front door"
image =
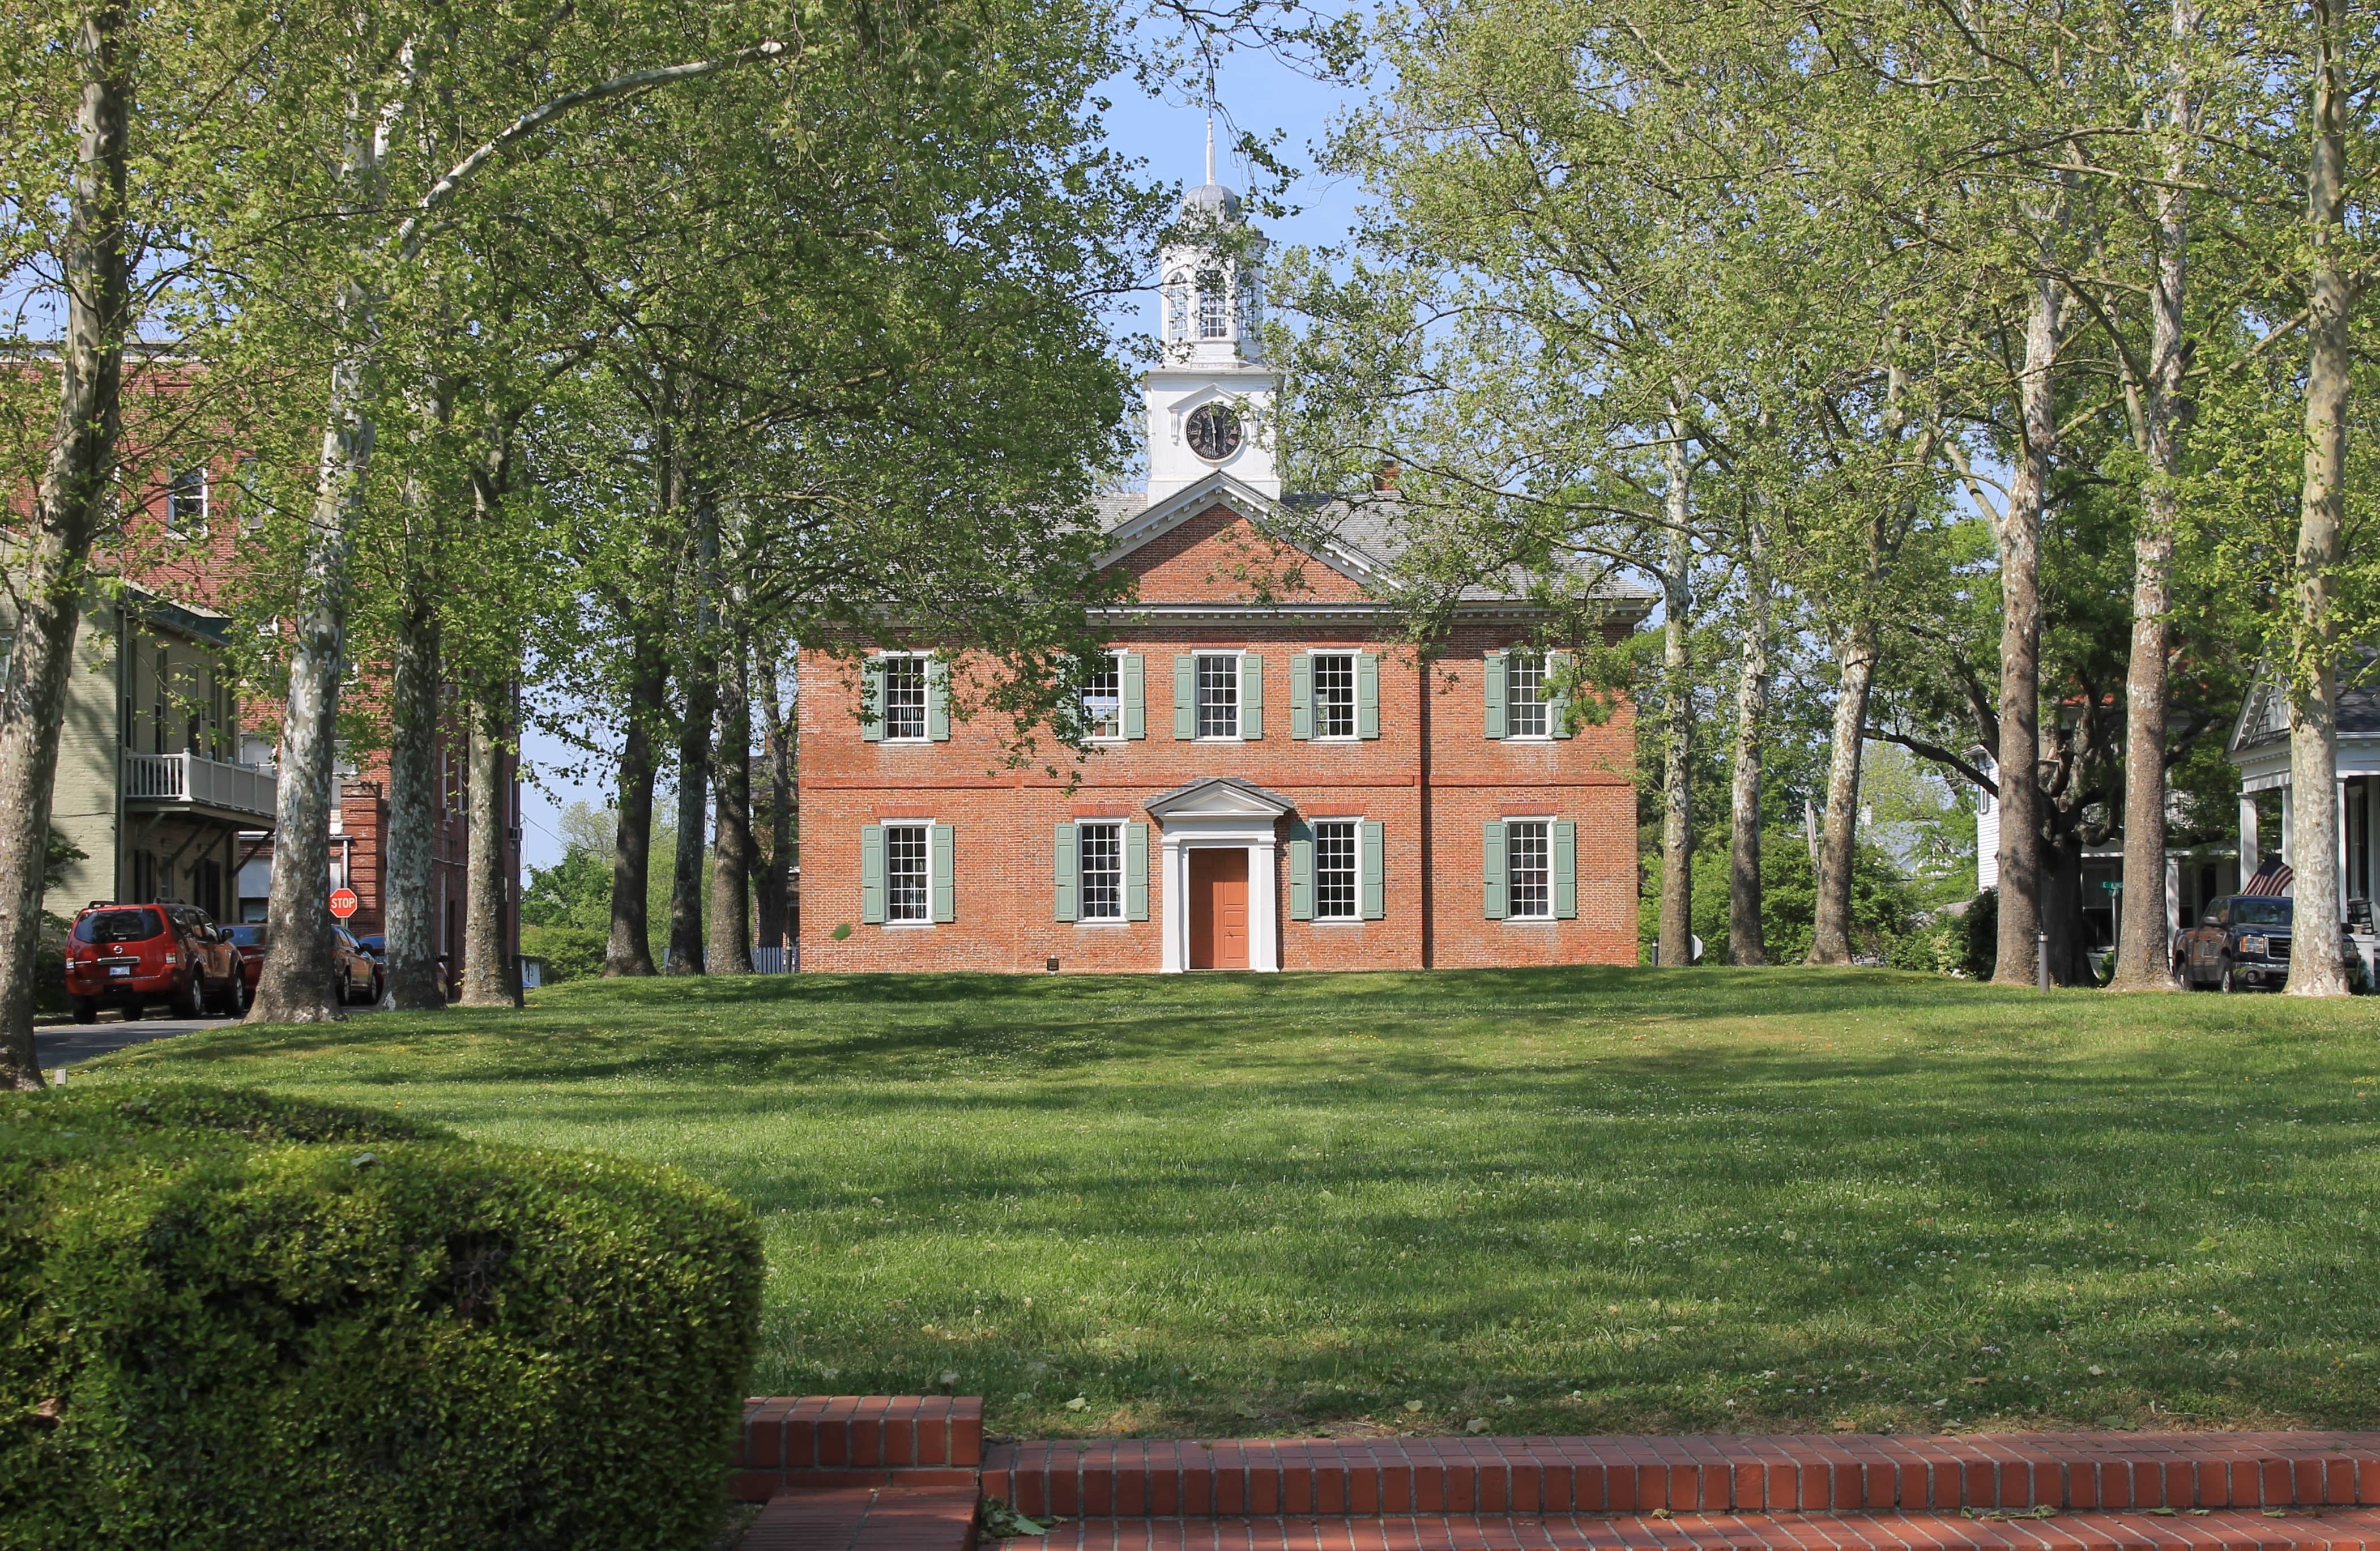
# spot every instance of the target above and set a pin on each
(1219, 908)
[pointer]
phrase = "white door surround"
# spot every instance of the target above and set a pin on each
(1220, 813)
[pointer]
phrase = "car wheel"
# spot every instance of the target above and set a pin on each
(84, 1008)
(134, 1011)
(191, 1001)
(2229, 984)
(234, 997)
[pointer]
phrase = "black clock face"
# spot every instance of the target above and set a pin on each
(1214, 432)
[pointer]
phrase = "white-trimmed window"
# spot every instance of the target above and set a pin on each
(1177, 306)
(1100, 857)
(1219, 696)
(186, 503)
(1334, 695)
(908, 873)
(1528, 870)
(1103, 699)
(1214, 312)
(1526, 710)
(1337, 858)
(905, 699)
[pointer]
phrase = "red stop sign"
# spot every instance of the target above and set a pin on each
(342, 903)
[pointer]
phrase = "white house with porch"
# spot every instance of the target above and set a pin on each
(2260, 747)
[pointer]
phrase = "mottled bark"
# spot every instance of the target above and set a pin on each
(70, 505)
(413, 981)
(490, 974)
(2314, 967)
(1678, 732)
(1854, 649)
(1746, 939)
(2144, 937)
(2019, 556)
(729, 941)
(630, 950)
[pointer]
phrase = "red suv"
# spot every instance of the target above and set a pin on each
(129, 956)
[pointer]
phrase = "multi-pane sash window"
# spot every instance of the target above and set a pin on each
(905, 697)
(1219, 696)
(1335, 897)
(908, 894)
(186, 503)
(1101, 861)
(1334, 695)
(1103, 700)
(1528, 870)
(1214, 312)
(1525, 697)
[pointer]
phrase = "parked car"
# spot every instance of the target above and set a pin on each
(2244, 940)
(137, 956)
(248, 937)
(357, 975)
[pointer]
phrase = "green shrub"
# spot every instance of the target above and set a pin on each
(570, 952)
(234, 1320)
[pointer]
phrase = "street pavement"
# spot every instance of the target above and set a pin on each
(62, 1045)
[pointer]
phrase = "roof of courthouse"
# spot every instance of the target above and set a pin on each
(1363, 540)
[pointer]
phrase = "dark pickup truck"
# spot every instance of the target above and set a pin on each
(2243, 940)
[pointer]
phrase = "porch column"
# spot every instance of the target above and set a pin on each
(2342, 845)
(2289, 847)
(1174, 912)
(1264, 907)
(2250, 856)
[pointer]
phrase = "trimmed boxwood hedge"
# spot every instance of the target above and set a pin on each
(229, 1319)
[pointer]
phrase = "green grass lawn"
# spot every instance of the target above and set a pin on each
(1557, 1201)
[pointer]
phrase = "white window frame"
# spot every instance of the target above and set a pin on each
(924, 830)
(1542, 708)
(1214, 308)
(173, 482)
(1545, 824)
(1238, 659)
(1354, 915)
(1115, 671)
(1115, 831)
(924, 732)
(1355, 731)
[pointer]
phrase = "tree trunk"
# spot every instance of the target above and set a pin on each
(2020, 555)
(2061, 911)
(730, 940)
(490, 975)
(684, 952)
(69, 508)
(413, 981)
(1677, 755)
(776, 743)
(2314, 967)
(2144, 936)
(1830, 938)
(630, 950)
(1746, 939)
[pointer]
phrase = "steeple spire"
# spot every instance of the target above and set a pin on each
(1210, 145)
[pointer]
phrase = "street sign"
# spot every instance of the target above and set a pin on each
(342, 903)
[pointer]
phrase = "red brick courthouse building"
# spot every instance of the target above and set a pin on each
(1277, 784)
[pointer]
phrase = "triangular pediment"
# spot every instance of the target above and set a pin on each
(1220, 797)
(1220, 489)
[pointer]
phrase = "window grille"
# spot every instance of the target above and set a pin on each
(1214, 312)
(1102, 871)
(1528, 870)
(907, 893)
(1103, 700)
(1525, 697)
(186, 503)
(1177, 306)
(904, 697)
(1335, 896)
(1334, 695)
(1219, 696)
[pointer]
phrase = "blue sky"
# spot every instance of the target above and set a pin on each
(1259, 95)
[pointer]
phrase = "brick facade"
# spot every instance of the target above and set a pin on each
(1432, 780)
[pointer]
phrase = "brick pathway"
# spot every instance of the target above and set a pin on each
(904, 1473)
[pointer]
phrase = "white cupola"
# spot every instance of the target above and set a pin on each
(1210, 397)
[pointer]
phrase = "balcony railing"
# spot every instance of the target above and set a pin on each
(199, 782)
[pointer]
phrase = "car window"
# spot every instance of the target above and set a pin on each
(2215, 913)
(118, 926)
(246, 937)
(2263, 911)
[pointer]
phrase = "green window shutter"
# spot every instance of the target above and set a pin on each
(1129, 676)
(1367, 695)
(1069, 863)
(938, 700)
(1301, 696)
(1135, 872)
(1495, 688)
(1301, 871)
(946, 894)
(871, 701)
(1186, 696)
(1491, 865)
(1376, 877)
(1565, 848)
(1558, 705)
(1251, 695)
(871, 873)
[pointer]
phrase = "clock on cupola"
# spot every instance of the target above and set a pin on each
(1211, 395)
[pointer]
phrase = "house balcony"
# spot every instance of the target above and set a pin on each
(163, 783)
